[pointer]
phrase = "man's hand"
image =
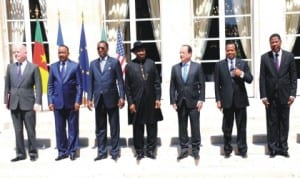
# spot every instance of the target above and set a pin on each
(266, 102)
(121, 103)
(132, 108)
(51, 107)
(157, 104)
(174, 107)
(199, 105)
(237, 72)
(219, 105)
(291, 100)
(76, 106)
(90, 105)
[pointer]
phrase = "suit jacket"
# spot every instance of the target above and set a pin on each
(26, 92)
(109, 84)
(142, 91)
(281, 84)
(65, 91)
(228, 89)
(192, 91)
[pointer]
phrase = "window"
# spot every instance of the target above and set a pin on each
(21, 18)
(215, 22)
(139, 22)
(293, 30)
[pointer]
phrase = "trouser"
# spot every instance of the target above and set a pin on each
(194, 115)
(277, 126)
(138, 137)
(240, 115)
(27, 118)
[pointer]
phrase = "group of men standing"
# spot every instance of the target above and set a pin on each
(142, 87)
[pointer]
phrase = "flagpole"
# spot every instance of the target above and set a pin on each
(58, 14)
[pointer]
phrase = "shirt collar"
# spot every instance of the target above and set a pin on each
(23, 63)
(104, 59)
(279, 53)
(187, 63)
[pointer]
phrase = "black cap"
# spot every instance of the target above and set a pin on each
(137, 45)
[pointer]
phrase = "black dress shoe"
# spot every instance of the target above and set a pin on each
(115, 157)
(72, 157)
(33, 157)
(18, 158)
(182, 155)
(243, 155)
(272, 154)
(139, 156)
(196, 156)
(226, 155)
(60, 157)
(150, 154)
(99, 157)
(285, 154)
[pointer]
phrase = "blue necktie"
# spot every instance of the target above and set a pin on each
(184, 73)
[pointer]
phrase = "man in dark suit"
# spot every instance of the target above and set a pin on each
(23, 96)
(187, 94)
(278, 85)
(64, 99)
(107, 91)
(143, 91)
(231, 96)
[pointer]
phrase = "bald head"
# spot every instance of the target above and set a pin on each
(20, 53)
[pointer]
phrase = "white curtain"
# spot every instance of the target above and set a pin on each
(154, 6)
(43, 13)
(201, 27)
(15, 11)
(292, 22)
(243, 23)
(116, 10)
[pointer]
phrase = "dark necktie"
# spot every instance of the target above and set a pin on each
(231, 68)
(62, 70)
(276, 62)
(19, 72)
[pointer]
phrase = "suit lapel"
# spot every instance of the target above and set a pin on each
(283, 61)
(14, 70)
(67, 70)
(107, 65)
(192, 68)
(225, 67)
(179, 71)
(270, 62)
(25, 73)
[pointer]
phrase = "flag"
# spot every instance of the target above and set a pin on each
(60, 40)
(83, 60)
(120, 50)
(39, 56)
(103, 33)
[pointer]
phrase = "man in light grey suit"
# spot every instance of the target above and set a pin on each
(23, 96)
